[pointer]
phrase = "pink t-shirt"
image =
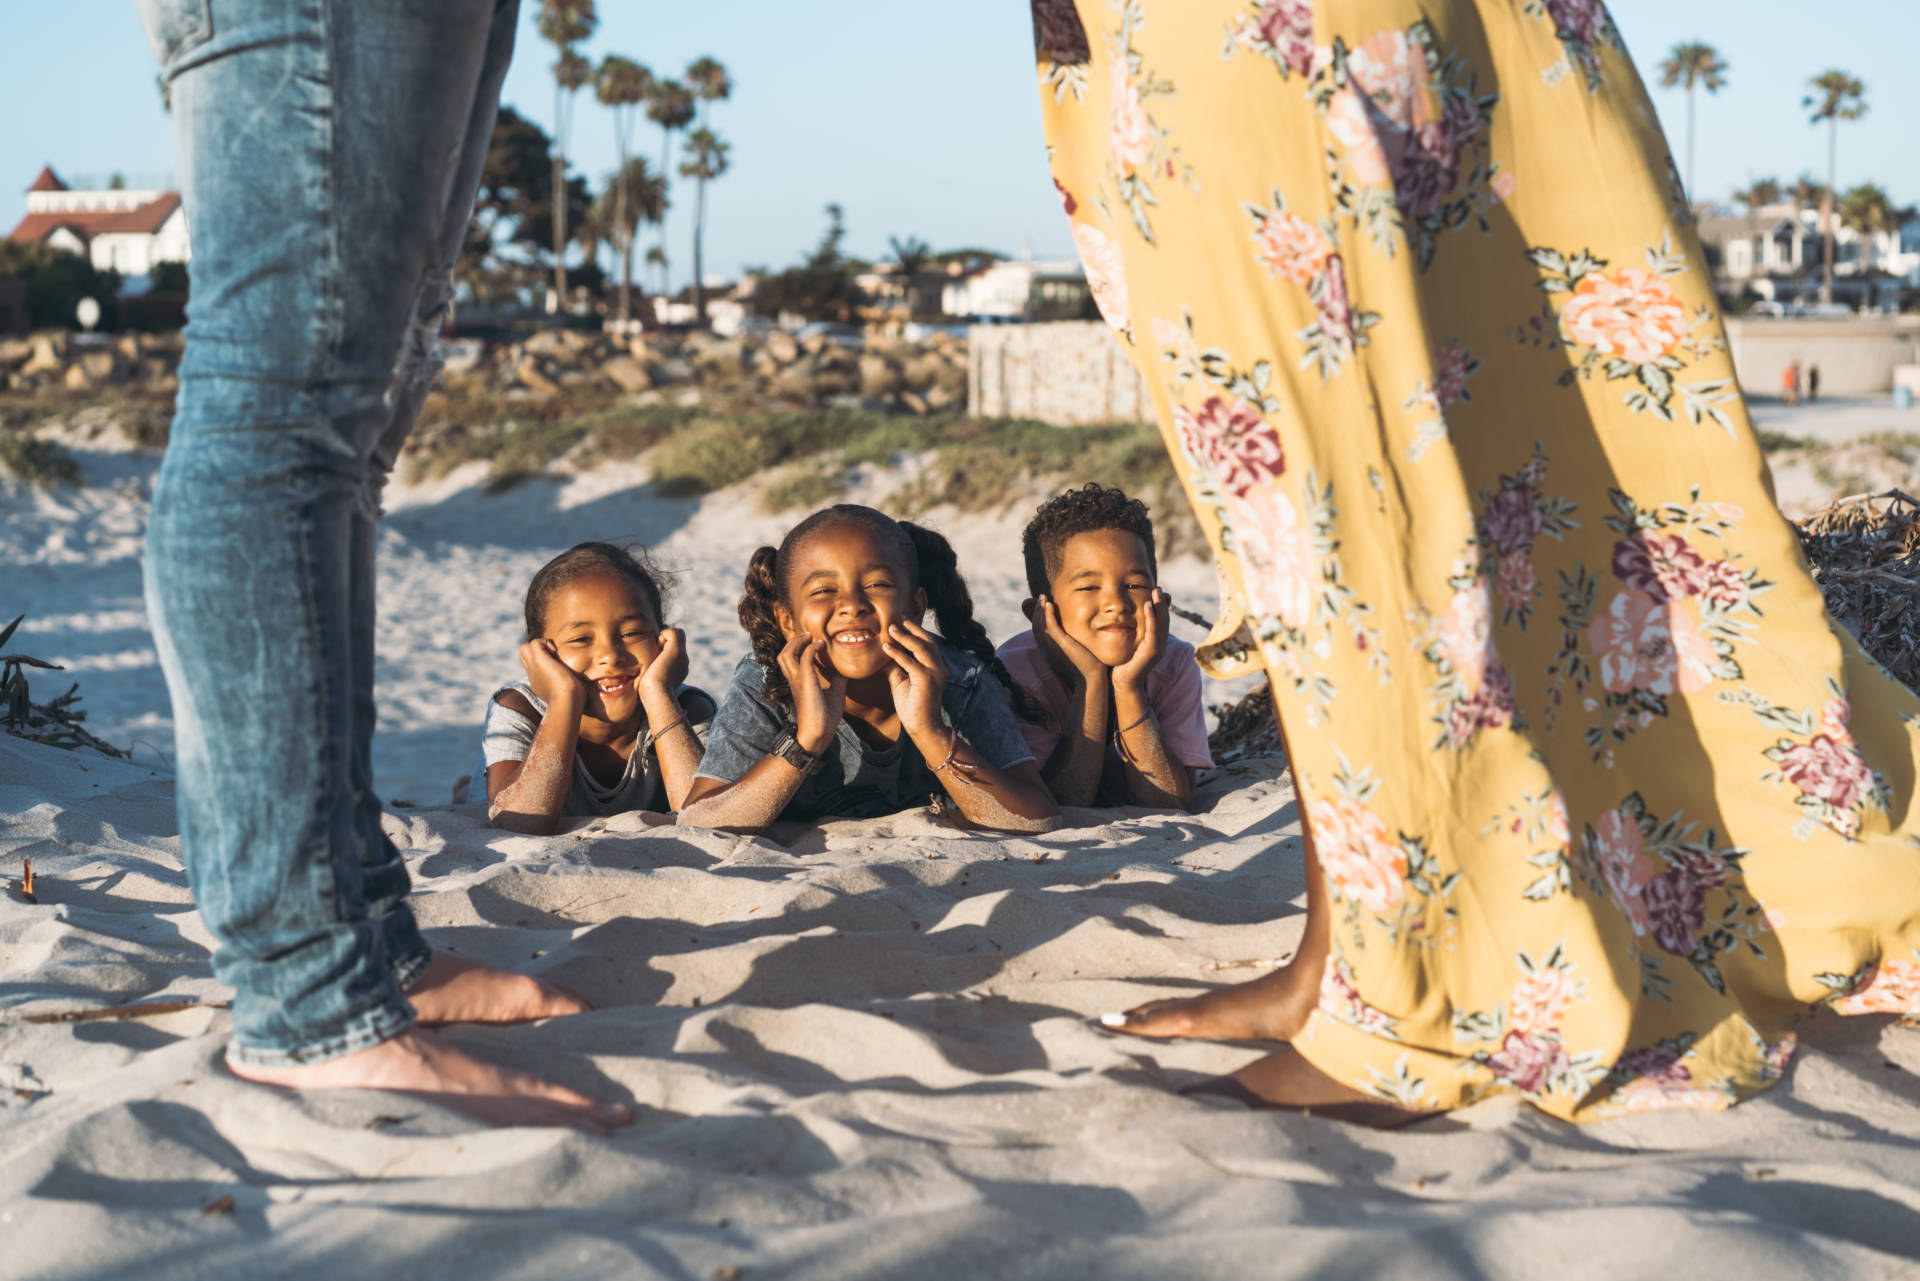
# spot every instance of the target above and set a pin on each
(1173, 690)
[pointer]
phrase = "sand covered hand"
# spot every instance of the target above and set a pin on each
(1152, 643)
(554, 683)
(1071, 661)
(668, 670)
(819, 692)
(917, 678)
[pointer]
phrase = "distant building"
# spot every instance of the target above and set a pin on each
(117, 230)
(1017, 290)
(1776, 253)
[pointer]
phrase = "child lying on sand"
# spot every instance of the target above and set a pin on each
(1125, 724)
(603, 723)
(847, 707)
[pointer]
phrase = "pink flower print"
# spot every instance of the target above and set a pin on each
(1695, 658)
(1358, 855)
(1558, 827)
(1106, 273)
(1529, 1063)
(1466, 633)
(1892, 988)
(1726, 585)
(1662, 566)
(1336, 309)
(1676, 909)
(1834, 715)
(1428, 165)
(1576, 19)
(1513, 518)
(1504, 185)
(1291, 246)
(1278, 562)
(1351, 120)
(1829, 770)
(1235, 439)
(1625, 864)
(1128, 131)
(1540, 1000)
(1392, 71)
(1775, 918)
(1519, 585)
(1451, 366)
(1341, 999)
(1630, 314)
(1634, 644)
(1708, 871)
(1488, 707)
(1286, 28)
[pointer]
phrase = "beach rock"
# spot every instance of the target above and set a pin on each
(76, 379)
(673, 369)
(922, 372)
(48, 352)
(721, 362)
(939, 399)
(782, 347)
(795, 382)
(913, 402)
(102, 365)
(528, 374)
(878, 377)
(627, 374)
(15, 351)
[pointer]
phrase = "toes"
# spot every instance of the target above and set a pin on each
(1160, 1018)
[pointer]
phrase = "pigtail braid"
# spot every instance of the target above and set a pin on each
(952, 605)
(763, 626)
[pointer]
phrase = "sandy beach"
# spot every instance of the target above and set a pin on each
(858, 1049)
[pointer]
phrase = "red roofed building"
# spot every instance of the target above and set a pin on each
(123, 231)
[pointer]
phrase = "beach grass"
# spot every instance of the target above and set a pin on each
(38, 462)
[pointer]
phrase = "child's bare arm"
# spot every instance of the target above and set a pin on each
(1154, 778)
(674, 744)
(528, 796)
(1012, 800)
(748, 804)
(1072, 773)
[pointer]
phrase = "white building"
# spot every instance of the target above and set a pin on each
(118, 230)
(1008, 289)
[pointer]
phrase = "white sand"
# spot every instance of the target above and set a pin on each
(858, 1050)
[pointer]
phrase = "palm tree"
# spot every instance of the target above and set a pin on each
(708, 162)
(671, 106)
(634, 194)
(564, 24)
(657, 255)
(1836, 96)
(709, 82)
(1759, 194)
(1867, 210)
(912, 255)
(621, 86)
(1692, 65)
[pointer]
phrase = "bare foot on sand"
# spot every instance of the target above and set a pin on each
(1284, 1079)
(418, 1064)
(455, 990)
(1273, 1008)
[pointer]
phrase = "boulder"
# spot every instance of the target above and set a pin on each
(939, 399)
(548, 342)
(529, 375)
(101, 365)
(913, 403)
(922, 371)
(720, 362)
(674, 369)
(627, 374)
(782, 348)
(128, 345)
(14, 352)
(795, 382)
(48, 352)
(878, 377)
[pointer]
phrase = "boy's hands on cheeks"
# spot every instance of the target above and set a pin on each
(918, 676)
(668, 670)
(1132, 674)
(819, 692)
(554, 683)
(1069, 659)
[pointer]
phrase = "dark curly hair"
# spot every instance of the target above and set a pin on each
(631, 563)
(1079, 511)
(930, 563)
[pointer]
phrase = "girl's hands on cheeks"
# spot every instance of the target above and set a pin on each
(668, 670)
(819, 692)
(554, 683)
(1133, 673)
(918, 676)
(1069, 659)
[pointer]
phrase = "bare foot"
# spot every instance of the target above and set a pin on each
(1284, 1079)
(456, 990)
(1272, 1008)
(417, 1063)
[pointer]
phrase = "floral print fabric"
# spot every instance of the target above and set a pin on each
(1604, 803)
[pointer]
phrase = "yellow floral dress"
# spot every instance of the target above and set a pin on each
(1604, 802)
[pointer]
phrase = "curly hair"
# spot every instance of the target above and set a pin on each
(931, 565)
(631, 563)
(1079, 511)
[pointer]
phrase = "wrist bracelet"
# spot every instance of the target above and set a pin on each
(1120, 737)
(962, 770)
(655, 735)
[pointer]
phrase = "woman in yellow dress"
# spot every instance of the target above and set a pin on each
(1599, 803)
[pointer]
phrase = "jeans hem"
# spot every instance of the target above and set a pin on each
(410, 971)
(378, 1025)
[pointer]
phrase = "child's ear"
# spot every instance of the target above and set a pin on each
(789, 628)
(1028, 605)
(919, 604)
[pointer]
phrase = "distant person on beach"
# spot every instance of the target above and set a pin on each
(1790, 383)
(1124, 721)
(1598, 802)
(329, 156)
(848, 707)
(1813, 383)
(604, 722)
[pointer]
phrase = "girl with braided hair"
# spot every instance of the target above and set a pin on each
(848, 707)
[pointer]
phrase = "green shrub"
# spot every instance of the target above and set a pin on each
(38, 462)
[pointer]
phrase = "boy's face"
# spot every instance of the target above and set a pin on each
(845, 588)
(1102, 588)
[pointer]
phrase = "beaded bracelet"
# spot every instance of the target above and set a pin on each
(1120, 737)
(962, 770)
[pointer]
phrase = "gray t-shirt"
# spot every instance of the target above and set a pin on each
(858, 781)
(508, 736)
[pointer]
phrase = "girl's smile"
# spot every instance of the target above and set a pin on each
(846, 589)
(602, 629)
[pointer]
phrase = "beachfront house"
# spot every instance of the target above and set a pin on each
(117, 229)
(1019, 289)
(1775, 253)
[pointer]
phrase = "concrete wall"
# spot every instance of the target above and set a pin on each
(1856, 356)
(1073, 371)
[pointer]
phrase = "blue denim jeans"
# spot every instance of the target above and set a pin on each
(329, 154)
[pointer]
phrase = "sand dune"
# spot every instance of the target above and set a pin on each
(864, 1049)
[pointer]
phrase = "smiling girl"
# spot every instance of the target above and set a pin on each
(603, 723)
(847, 706)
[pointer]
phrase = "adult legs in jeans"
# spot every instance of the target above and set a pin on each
(329, 155)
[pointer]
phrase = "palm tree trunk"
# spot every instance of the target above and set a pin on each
(666, 159)
(699, 223)
(620, 221)
(1826, 208)
(1691, 173)
(559, 206)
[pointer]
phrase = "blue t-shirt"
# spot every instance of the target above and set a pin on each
(856, 780)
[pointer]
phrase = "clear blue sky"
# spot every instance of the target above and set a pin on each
(924, 121)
